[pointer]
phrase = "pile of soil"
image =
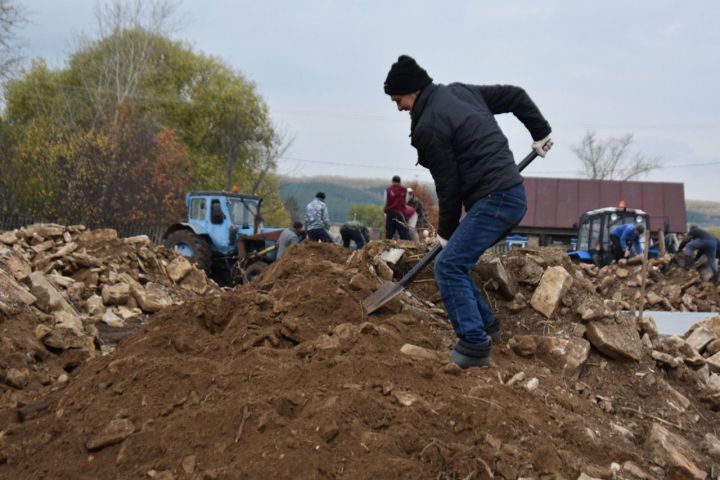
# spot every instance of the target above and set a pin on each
(289, 378)
(52, 273)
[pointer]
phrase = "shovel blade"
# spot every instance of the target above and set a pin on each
(381, 296)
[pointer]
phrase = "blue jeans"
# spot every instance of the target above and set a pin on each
(489, 219)
(704, 247)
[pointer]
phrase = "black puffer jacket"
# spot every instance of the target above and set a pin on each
(458, 140)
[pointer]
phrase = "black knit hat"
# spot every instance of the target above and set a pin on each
(406, 76)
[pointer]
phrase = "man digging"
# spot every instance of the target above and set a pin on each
(457, 138)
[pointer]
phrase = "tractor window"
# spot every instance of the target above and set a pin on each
(584, 236)
(216, 214)
(197, 209)
(595, 224)
(243, 211)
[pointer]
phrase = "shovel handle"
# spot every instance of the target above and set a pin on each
(424, 262)
(526, 161)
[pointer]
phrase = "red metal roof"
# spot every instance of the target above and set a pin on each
(558, 202)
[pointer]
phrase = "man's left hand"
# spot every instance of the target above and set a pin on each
(541, 147)
(441, 241)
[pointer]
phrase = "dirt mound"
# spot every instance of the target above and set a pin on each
(288, 378)
(68, 294)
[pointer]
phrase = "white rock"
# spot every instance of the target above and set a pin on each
(532, 384)
(109, 318)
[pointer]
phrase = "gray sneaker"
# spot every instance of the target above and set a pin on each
(466, 355)
(463, 361)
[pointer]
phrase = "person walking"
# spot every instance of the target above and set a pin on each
(700, 242)
(317, 220)
(625, 240)
(396, 210)
(457, 138)
(289, 236)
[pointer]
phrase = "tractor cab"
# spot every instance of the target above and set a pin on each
(593, 236)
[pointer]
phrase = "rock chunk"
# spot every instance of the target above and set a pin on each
(495, 270)
(553, 285)
(673, 453)
(618, 339)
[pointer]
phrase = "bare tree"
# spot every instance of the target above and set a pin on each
(128, 32)
(12, 18)
(275, 148)
(610, 159)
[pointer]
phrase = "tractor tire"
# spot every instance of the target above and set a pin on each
(254, 270)
(195, 248)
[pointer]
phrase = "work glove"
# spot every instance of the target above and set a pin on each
(542, 146)
(441, 241)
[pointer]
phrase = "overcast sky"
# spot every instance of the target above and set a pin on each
(649, 68)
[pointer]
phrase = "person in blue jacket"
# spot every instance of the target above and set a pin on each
(625, 238)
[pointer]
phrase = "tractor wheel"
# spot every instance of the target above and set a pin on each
(190, 245)
(253, 271)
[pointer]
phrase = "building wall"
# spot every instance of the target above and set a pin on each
(557, 203)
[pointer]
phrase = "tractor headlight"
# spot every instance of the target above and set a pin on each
(613, 217)
(638, 219)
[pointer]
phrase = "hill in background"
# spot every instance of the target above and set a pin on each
(340, 193)
(703, 213)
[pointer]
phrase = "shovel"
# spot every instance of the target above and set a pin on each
(390, 290)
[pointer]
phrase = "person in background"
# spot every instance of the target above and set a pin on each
(289, 236)
(354, 231)
(625, 238)
(700, 242)
(454, 130)
(417, 222)
(317, 220)
(396, 210)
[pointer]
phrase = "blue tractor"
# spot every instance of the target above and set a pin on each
(593, 237)
(225, 236)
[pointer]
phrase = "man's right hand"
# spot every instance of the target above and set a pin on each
(541, 147)
(441, 241)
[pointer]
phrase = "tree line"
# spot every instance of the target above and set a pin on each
(132, 122)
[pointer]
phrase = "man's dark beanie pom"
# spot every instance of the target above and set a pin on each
(406, 76)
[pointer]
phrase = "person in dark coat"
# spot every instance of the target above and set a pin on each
(457, 138)
(700, 242)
